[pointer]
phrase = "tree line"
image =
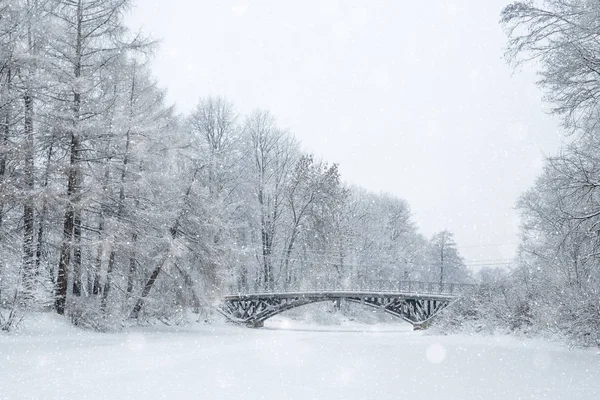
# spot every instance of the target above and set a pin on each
(556, 286)
(115, 206)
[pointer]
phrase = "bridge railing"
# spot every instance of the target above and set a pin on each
(412, 287)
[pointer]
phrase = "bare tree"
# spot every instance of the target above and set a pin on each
(562, 37)
(273, 154)
(446, 259)
(313, 187)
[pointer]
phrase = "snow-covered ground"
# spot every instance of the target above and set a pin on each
(287, 359)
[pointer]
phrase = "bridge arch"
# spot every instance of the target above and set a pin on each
(252, 310)
(259, 320)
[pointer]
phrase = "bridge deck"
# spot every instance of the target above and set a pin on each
(415, 302)
(398, 289)
(339, 294)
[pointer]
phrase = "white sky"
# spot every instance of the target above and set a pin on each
(411, 98)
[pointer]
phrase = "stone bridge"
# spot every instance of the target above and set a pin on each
(414, 302)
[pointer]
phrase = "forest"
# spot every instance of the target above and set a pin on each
(116, 207)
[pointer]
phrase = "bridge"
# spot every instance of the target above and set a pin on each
(414, 302)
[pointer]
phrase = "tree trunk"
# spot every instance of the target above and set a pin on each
(266, 253)
(77, 272)
(147, 287)
(120, 215)
(69, 223)
(5, 135)
(132, 264)
(42, 217)
(28, 214)
(108, 281)
(288, 254)
(72, 182)
(95, 286)
(40, 239)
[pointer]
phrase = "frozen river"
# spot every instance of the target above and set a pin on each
(288, 360)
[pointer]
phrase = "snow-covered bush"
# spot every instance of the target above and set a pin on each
(10, 313)
(488, 308)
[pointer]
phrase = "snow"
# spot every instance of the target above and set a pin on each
(288, 359)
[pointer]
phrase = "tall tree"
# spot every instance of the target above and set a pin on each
(273, 154)
(312, 190)
(90, 38)
(446, 263)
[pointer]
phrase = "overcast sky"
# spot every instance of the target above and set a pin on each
(410, 98)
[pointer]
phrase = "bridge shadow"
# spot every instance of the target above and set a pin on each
(366, 330)
(291, 325)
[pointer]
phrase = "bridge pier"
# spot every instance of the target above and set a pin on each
(255, 324)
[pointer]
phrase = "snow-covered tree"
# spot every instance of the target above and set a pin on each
(444, 261)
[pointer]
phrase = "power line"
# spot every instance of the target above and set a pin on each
(491, 261)
(488, 245)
